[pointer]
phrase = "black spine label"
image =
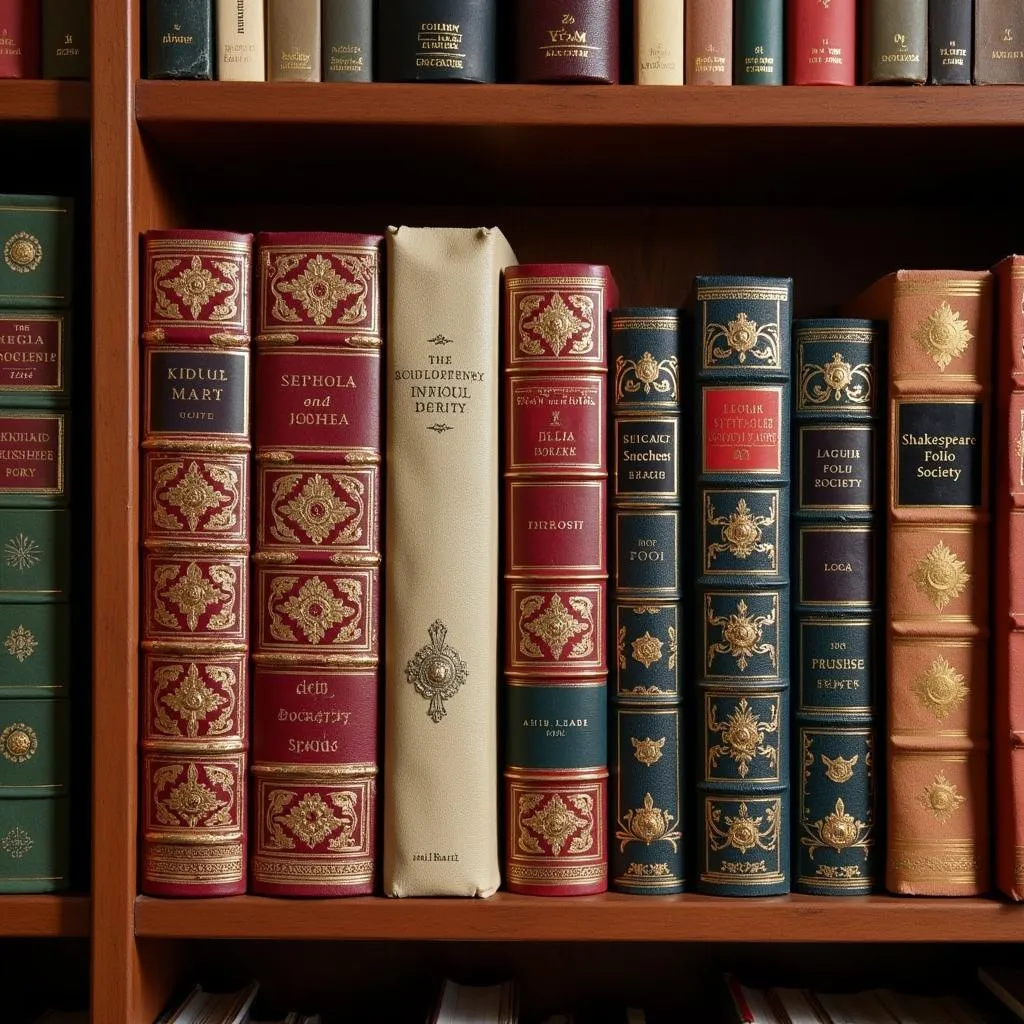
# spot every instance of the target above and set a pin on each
(938, 454)
(836, 467)
(646, 458)
(836, 565)
(199, 392)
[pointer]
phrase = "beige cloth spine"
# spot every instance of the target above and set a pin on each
(293, 40)
(659, 42)
(241, 54)
(441, 561)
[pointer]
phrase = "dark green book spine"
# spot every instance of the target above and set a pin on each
(837, 545)
(757, 39)
(347, 41)
(895, 47)
(179, 36)
(66, 44)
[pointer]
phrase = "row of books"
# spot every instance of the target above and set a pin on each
(670, 42)
(44, 39)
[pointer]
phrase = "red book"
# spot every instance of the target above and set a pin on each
(195, 562)
(822, 42)
(317, 564)
(567, 41)
(20, 47)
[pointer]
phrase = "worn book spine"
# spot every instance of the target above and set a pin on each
(950, 42)
(567, 41)
(442, 569)
(741, 409)
(895, 42)
(938, 629)
(659, 57)
(644, 614)
(822, 42)
(709, 42)
(437, 40)
(316, 564)
(347, 41)
(241, 41)
(179, 39)
(556, 577)
(758, 36)
(293, 40)
(195, 562)
(837, 603)
(19, 39)
(66, 49)
(998, 42)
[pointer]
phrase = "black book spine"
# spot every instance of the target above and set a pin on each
(950, 42)
(347, 41)
(179, 35)
(66, 39)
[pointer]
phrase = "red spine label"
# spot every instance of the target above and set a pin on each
(19, 39)
(32, 353)
(557, 528)
(32, 453)
(741, 430)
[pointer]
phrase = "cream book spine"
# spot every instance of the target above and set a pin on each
(241, 49)
(658, 37)
(442, 563)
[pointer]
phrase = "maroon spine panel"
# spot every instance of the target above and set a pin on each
(316, 603)
(195, 562)
(567, 41)
(822, 43)
(20, 43)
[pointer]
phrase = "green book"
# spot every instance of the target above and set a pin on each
(35, 237)
(757, 42)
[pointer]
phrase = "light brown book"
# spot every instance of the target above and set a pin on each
(709, 42)
(293, 40)
(998, 42)
(658, 40)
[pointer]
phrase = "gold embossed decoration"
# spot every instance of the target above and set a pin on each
(742, 634)
(943, 335)
(316, 511)
(192, 702)
(836, 380)
(647, 649)
(436, 671)
(191, 801)
(331, 291)
(196, 286)
(320, 606)
(18, 743)
(940, 689)
(942, 798)
(742, 831)
(742, 531)
(839, 831)
(318, 289)
(557, 626)
(16, 843)
(311, 820)
(941, 576)
(550, 325)
(21, 552)
(743, 737)
(23, 252)
(21, 643)
(556, 824)
(839, 769)
(647, 824)
(744, 339)
(646, 374)
(647, 751)
(192, 594)
(185, 496)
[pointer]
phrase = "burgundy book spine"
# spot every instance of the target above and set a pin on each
(316, 606)
(567, 41)
(822, 42)
(20, 43)
(708, 42)
(195, 562)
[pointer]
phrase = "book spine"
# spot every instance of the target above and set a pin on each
(316, 564)
(658, 40)
(556, 578)
(66, 47)
(758, 34)
(837, 541)
(19, 39)
(437, 40)
(646, 770)
(195, 562)
(293, 40)
(567, 41)
(998, 42)
(36, 250)
(179, 35)
(822, 42)
(741, 656)
(709, 42)
(241, 49)
(348, 40)
(442, 569)
(950, 42)
(895, 48)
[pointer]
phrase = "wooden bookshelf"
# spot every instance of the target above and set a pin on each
(51, 916)
(47, 102)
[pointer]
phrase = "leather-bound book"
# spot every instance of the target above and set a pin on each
(822, 42)
(837, 603)
(895, 47)
(556, 577)
(316, 557)
(741, 408)
(950, 42)
(998, 42)
(347, 40)
(66, 49)
(437, 40)
(19, 39)
(241, 41)
(293, 40)
(758, 35)
(35, 245)
(179, 39)
(709, 42)
(568, 41)
(195, 562)
(645, 610)
(659, 56)
(442, 569)
(940, 384)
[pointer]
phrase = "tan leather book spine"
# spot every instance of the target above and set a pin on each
(293, 40)
(709, 42)
(442, 569)
(658, 38)
(241, 51)
(940, 373)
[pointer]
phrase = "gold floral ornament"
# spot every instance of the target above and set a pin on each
(195, 286)
(23, 252)
(316, 609)
(646, 374)
(940, 689)
(21, 643)
(192, 802)
(21, 552)
(193, 594)
(742, 634)
(942, 798)
(647, 751)
(311, 819)
(741, 531)
(437, 671)
(193, 496)
(16, 843)
(557, 626)
(317, 509)
(743, 832)
(647, 649)
(193, 701)
(647, 824)
(558, 325)
(839, 769)
(743, 737)
(319, 289)
(18, 743)
(835, 380)
(941, 576)
(839, 831)
(557, 824)
(744, 339)
(943, 335)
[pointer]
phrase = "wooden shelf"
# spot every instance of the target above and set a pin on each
(44, 101)
(619, 918)
(44, 916)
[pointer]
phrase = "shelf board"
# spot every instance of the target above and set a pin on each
(46, 916)
(507, 917)
(54, 102)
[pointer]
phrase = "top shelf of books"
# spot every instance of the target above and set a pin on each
(53, 102)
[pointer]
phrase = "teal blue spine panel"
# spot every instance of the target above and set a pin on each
(758, 31)
(645, 773)
(555, 725)
(837, 544)
(741, 597)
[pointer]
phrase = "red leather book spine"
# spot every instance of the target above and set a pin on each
(20, 46)
(822, 42)
(568, 41)
(316, 604)
(555, 571)
(195, 562)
